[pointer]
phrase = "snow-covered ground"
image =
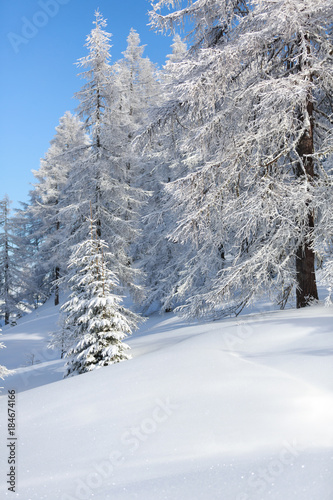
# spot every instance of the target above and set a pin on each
(239, 409)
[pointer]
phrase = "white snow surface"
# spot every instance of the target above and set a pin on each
(237, 409)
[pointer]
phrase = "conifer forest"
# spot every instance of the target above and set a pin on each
(199, 187)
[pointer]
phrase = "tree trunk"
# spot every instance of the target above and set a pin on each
(305, 257)
(56, 293)
(305, 274)
(57, 273)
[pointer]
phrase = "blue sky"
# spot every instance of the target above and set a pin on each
(40, 42)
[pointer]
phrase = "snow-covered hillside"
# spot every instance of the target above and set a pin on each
(240, 409)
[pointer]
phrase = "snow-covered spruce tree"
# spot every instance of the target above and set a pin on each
(101, 178)
(95, 320)
(257, 102)
(138, 87)
(10, 275)
(29, 233)
(68, 146)
(138, 91)
(135, 78)
(162, 259)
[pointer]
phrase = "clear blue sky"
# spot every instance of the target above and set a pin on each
(38, 50)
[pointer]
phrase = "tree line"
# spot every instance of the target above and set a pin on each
(208, 183)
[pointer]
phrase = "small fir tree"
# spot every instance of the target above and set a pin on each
(3, 369)
(60, 339)
(96, 321)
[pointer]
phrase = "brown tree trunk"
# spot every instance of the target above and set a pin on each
(56, 293)
(305, 275)
(305, 257)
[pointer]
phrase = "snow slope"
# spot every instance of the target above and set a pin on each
(240, 409)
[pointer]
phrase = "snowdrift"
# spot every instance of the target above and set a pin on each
(239, 409)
